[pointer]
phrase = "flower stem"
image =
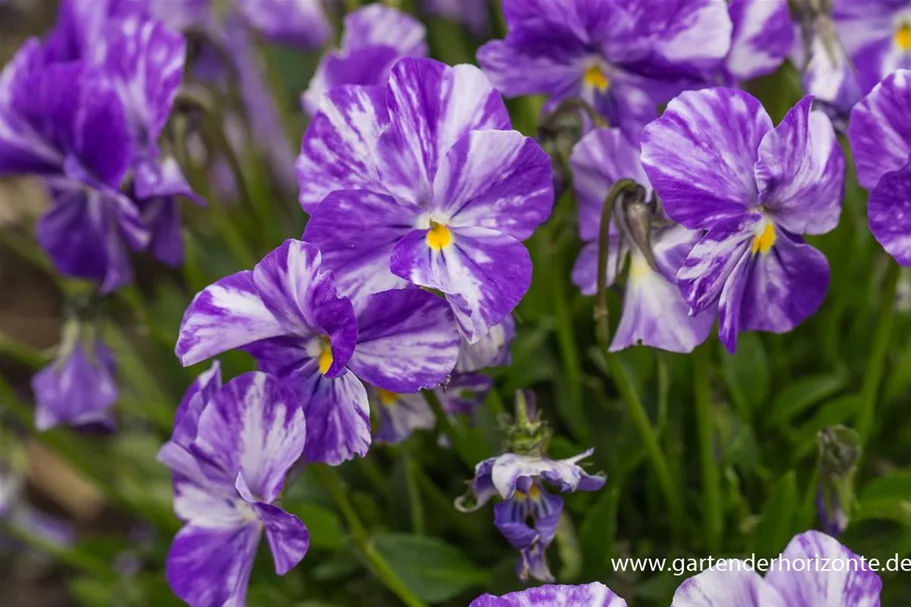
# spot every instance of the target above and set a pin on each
(634, 406)
(380, 567)
(416, 506)
(877, 358)
(445, 426)
(710, 477)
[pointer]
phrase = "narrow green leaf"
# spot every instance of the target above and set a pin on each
(778, 516)
(746, 374)
(798, 396)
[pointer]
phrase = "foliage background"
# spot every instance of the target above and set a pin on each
(764, 405)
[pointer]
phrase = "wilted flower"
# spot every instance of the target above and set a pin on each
(654, 312)
(810, 584)
(880, 136)
(78, 387)
(762, 39)
(375, 37)
(424, 183)
(584, 595)
(288, 314)
(623, 58)
(231, 449)
(718, 164)
(839, 452)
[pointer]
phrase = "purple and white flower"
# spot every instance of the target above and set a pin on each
(763, 38)
(492, 350)
(880, 136)
(718, 164)
(474, 14)
(231, 449)
(289, 315)
(402, 414)
(584, 595)
(799, 580)
(424, 183)
(78, 388)
(528, 514)
(654, 312)
(375, 37)
(625, 58)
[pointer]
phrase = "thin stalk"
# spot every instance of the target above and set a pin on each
(710, 475)
(445, 426)
(634, 406)
(329, 477)
(415, 505)
(876, 361)
(440, 502)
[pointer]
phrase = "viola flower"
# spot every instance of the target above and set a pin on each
(654, 312)
(528, 515)
(763, 38)
(735, 584)
(402, 414)
(231, 449)
(492, 350)
(424, 183)
(287, 313)
(624, 58)
(78, 388)
(474, 14)
(375, 37)
(584, 595)
(718, 164)
(65, 123)
(880, 136)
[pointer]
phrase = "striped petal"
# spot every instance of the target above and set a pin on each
(731, 585)
(585, 595)
(880, 129)
(763, 37)
(287, 536)
(889, 212)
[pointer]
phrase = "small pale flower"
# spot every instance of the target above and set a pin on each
(584, 595)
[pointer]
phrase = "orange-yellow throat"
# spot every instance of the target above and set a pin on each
(439, 237)
(764, 242)
(903, 37)
(596, 79)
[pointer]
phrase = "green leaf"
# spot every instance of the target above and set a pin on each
(746, 374)
(836, 411)
(778, 516)
(324, 526)
(798, 396)
(887, 497)
(434, 570)
(598, 529)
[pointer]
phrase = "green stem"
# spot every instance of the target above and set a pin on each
(445, 426)
(415, 505)
(634, 406)
(710, 476)
(380, 567)
(876, 360)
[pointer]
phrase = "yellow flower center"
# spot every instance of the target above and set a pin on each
(903, 36)
(325, 357)
(596, 79)
(764, 241)
(387, 398)
(439, 237)
(533, 493)
(638, 267)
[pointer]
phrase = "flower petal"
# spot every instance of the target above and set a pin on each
(729, 586)
(377, 25)
(210, 567)
(565, 474)
(301, 23)
(492, 350)
(880, 130)
(226, 315)
(699, 155)
(368, 66)
(595, 594)
(483, 274)
(288, 537)
(401, 415)
(499, 180)
(356, 232)
(763, 37)
(801, 172)
(889, 212)
(339, 150)
(431, 106)
(194, 400)
(254, 427)
(407, 341)
(855, 585)
(511, 518)
(585, 270)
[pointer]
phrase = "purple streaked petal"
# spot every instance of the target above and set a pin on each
(889, 213)
(763, 37)
(304, 299)
(401, 415)
(832, 82)
(855, 585)
(356, 232)
(730, 302)
(287, 536)
(203, 496)
(492, 350)
(483, 274)
(801, 172)
(498, 180)
(600, 159)
(194, 400)
(880, 131)
(731, 586)
(557, 11)
(585, 595)
(369, 66)
(337, 412)
(157, 178)
(339, 149)
(377, 25)
(254, 427)
(511, 518)
(482, 487)
(566, 475)
(693, 37)
(162, 215)
(464, 393)
(210, 567)
(224, 316)
(709, 265)
(533, 564)
(302, 23)
(699, 155)
(407, 341)
(585, 270)
(431, 106)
